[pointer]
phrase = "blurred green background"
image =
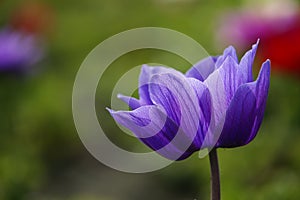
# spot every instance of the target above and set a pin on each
(42, 157)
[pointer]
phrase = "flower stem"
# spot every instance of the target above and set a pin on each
(215, 175)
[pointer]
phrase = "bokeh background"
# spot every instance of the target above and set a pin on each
(41, 155)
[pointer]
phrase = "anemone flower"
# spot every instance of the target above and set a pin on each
(217, 90)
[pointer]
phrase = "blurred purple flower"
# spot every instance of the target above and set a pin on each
(219, 88)
(18, 51)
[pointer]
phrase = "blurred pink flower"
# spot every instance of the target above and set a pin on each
(277, 26)
(244, 28)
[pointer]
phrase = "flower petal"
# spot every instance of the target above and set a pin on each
(228, 52)
(202, 69)
(204, 100)
(230, 77)
(246, 110)
(151, 125)
(222, 84)
(139, 121)
(174, 93)
(146, 73)
(245, 66)
(239, 119)
(260, 88)
(132, 102)
(215, 85)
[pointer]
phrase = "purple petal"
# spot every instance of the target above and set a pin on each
(230, 77)
(132, 102)
(204, 100)
(144, 80)
(246, 110)
(222, 84)
(228, 52)
(239, 119)
(245, 66)
(151, 126)
(178, 98)
(217, 91)
(202, 69)
(140, 118)
(260, 88)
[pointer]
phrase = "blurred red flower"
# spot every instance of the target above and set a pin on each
(33, 18)
(283, 48)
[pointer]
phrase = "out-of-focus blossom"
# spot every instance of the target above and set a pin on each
(33, 18)
(245, 27)
(284, 49)
(18, 51)
(276, 23)
(22, 41)
(220, 86)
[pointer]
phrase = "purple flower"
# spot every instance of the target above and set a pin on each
(216, 91)
(18, 51)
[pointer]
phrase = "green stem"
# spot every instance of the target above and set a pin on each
(215, 175)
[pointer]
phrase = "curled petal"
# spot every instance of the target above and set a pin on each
(177, 95)
(146, 74)
(152, 126)
(145, 121)
(132, 102)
